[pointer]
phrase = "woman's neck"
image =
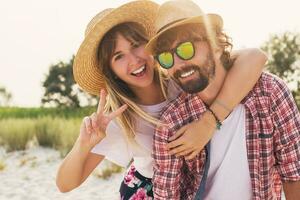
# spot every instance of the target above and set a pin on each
(149, 95)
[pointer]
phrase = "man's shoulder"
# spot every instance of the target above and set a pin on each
(268, 85)
(174, 105)
(181, 105)
(267, 77)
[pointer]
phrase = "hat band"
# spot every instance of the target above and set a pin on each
(169, 24)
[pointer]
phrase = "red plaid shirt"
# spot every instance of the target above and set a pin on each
(272, 136)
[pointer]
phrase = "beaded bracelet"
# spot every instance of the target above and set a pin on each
(219, 123)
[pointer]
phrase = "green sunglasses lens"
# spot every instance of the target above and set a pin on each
(185, 50)
(165, 60)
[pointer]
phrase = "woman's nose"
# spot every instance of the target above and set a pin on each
(133, 59)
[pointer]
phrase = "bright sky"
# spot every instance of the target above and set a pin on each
(35, 34)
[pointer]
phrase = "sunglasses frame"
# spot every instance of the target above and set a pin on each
(174, 51)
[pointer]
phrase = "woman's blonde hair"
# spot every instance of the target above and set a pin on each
(118, 91)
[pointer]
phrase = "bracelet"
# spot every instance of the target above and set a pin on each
(219, 123)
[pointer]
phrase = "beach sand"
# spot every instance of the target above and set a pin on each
(31, 175)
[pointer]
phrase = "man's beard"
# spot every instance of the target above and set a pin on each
(198, 84)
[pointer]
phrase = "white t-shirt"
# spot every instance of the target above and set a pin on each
(117, 149)
(228, 175)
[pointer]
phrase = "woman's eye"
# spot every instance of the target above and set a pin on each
(136, 45)
(118, 57)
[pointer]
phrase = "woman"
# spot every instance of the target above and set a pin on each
(112, 57)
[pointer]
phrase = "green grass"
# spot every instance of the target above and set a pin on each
(66, 132)
(16, 112)
(57, 133)
(15, 133)
(57, 128)
(2, 165)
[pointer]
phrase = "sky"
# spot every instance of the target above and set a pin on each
(37, 33)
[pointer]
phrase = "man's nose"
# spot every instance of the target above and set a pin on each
(178, 62)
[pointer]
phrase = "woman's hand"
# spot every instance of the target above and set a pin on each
(93, 127)
(191, 138)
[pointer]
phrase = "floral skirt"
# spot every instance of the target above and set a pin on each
(135, 186)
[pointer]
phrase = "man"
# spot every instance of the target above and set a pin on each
(255, 151)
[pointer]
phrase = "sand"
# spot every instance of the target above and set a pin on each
(31, 175)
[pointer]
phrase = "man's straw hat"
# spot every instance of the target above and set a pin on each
(179, 12)
(86, 67)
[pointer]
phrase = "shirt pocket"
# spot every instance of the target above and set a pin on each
(266, 143)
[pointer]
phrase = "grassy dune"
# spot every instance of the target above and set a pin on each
(57, 133)
(49, 127)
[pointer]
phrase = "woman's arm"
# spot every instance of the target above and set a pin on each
(80, 162)
(76, 167)
(240, 79)
(291, 190)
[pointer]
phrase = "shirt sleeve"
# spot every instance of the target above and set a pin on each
(287, 133)
(167, 168)
(114, 146)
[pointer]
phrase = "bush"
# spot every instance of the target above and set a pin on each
(48, 132)
(68, 133)
(16, 133)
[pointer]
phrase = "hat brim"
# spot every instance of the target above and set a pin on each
(86, 69)
(212, 20)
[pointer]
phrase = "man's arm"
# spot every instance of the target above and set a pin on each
(287, 139)
(167, 168)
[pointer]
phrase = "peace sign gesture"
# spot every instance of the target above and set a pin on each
(93, 127)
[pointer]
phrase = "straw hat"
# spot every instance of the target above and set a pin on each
(86, 69)
(179, 12)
